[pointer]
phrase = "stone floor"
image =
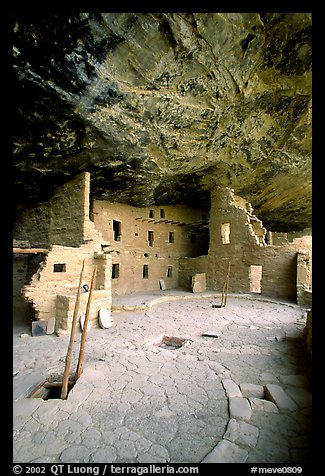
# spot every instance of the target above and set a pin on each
(241, 394)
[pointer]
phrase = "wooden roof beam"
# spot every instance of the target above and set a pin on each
(30, 251)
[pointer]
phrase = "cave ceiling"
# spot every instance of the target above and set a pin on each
(160, 107)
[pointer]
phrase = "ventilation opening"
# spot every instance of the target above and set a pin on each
(59, 268)
(51, 390)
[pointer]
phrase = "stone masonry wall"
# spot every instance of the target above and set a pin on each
(32, 224)
(237, 237)
(69, 210)
(59, 221)
(144, 260)
(65, 305)
(188, 267)
(48, 283)
(58, 274)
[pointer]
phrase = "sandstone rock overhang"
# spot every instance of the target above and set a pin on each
(162, 107)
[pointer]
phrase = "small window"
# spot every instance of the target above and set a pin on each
(169, 272)
(117, 230)
(151, 213)
(162, 213)
(225, 233)
(145, 271)
(59, 268)
(171, 237)
(193, 238)
(115, 270)
(150, 238)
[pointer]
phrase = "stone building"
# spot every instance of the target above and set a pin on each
(147, 249)
(68, 237)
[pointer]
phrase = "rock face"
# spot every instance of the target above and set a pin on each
(161, 107)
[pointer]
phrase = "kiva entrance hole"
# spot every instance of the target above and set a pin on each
(50, 390)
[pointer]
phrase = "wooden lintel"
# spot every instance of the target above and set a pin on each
(30, 251)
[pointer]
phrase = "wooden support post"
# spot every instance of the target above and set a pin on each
(227, 285)
(84, 331)
(64, 390)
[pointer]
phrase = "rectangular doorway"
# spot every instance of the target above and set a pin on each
(255, 278)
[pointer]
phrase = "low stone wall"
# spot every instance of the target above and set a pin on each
(65, 304)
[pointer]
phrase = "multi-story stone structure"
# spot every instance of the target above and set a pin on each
(149, 248)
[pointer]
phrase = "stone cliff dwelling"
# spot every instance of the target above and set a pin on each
(140, 249)
(168, 157)
(166, 166)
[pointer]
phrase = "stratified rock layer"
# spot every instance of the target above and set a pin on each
(161, 107)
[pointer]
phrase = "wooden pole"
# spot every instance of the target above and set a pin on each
(84, 331)
(227, 283)
(223, 295)
(30, 251)
(64, 390)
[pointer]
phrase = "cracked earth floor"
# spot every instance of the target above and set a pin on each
(138, 403)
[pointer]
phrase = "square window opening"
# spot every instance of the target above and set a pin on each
(59, 268)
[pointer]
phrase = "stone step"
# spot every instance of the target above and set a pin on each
(277, 395)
